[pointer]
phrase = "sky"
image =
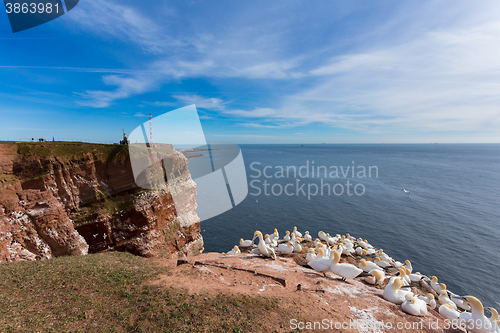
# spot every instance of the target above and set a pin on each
(258, 71)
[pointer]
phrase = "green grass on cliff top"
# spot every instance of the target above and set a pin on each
(109, 292)
(68, 149)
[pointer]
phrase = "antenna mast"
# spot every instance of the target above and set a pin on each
(150, 129)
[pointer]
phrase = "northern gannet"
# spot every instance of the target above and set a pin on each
(435, 285)
(297, 234)
(459, 301)
(475, 321)
(287, 236)
(382, 263)
(267, 239)
(494, 320)
(322, 236)
(296, 246)
(407, 264)
(263, 248)
(235, 250)
(276, 235)
(443, 297)
(246, 243)
(311, 255)
(307, 237)
(367, 266)
(414, 306)
(448, 312)
(348, 249)
(429, 300)
(393, 292)
(377, 277)
(346, 271)
(321, 265)
(286, 248)
(414, 277)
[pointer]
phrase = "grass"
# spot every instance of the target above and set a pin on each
(110, 292)
(106, 205)
(70, 150)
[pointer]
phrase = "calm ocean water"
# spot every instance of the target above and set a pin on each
(447, 226)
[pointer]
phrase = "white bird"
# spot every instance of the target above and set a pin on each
(393, 292)
(359, 250)
(246, 243)
(276, 235)
(444, 299)
(370, 252)
(407, 264)
(311, 255)
(348, 249)
(321, 265)
(332, 240)
(368, 266)
(321, 254)
(235, 250)
(414, 277)
(362, 243)
(296, 246)
(346, 271)
(377, 277)
(382, 263)
(403, 276)
(307, 237)
(475, 321)
(459, 302)
(264, 249)
(429, 300)
(323, 236)
(368, 244)
(435, 285)
(287, 236)
(407, 275)
(448, 312)
(494, 320)
(267, 239)
(414, 306)
(286, 248)
(384, 256)
(297, 234)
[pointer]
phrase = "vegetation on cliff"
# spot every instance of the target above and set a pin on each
(69, 150)
(111, 292)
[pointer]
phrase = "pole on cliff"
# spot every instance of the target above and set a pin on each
(150, 130)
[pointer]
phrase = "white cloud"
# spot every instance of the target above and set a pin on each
(126, 87)
(202, 102)
(428, 70)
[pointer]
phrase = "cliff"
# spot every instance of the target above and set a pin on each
(60, 199)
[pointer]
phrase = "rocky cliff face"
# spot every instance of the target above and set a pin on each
(70, 199)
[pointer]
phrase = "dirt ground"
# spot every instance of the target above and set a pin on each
(307, 300)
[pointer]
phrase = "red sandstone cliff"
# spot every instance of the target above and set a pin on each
(70, 199)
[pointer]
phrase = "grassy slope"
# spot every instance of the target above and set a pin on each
(69, 150)
(109, 292)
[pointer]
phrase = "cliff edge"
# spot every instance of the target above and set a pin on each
(60, 199)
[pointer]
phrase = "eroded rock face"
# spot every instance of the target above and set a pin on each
(87, 201)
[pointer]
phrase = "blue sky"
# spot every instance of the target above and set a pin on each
(258, 72)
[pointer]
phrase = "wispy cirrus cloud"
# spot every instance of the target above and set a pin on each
(417, 71)
(126, 86)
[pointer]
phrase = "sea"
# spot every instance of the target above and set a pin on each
(437, 205)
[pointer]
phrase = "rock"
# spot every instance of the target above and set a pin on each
(67, 199)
